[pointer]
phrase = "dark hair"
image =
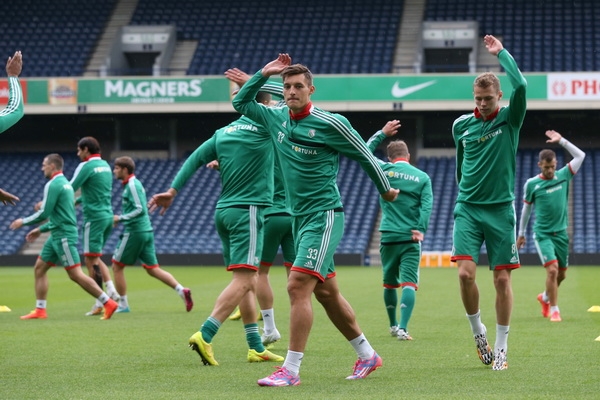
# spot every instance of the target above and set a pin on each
(263, 97)
(297, 69)
(547, 155)
(126, 163)
(91, 143)
(56, 160)
(397, 149)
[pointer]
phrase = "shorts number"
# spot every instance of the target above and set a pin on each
(312, 254)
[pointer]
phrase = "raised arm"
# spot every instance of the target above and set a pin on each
(518, 100)
(244, 102)
(389, 129)
(240, 77)
(576, 152)
(13, 111)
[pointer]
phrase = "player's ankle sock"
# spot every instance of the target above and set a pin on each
(475, 321)
(407, 304)
(390, 299)
(209, 328)
(253, 338)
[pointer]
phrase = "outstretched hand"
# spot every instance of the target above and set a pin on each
(276, 66)
(238, 76)
(14, 65)
(492, 44)
(8, 198)
(553, 136)
(391, 127)
(161, 201)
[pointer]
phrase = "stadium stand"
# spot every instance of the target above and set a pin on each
(361, 36)
(61, 34)
(188, 226)
(546, 36)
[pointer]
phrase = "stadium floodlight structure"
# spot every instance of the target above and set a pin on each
(141, 50)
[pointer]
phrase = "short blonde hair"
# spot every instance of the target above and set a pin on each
(486, 80)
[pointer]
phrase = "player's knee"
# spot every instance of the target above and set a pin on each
(502, 281)
(466, 275)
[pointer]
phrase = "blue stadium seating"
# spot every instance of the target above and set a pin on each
(56, 38)
(543, 36)
(360, 36)
(188, 226)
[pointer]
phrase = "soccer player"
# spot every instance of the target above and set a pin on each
(58, 206)
(308, 141)
(486, 144)
(13, 111)
(137, 241)
(403, 226)
(94, 177)
(549, 191)
(277, 231)
(245, 157)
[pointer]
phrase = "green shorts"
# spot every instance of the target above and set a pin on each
(552, 247)
(135, 246)
(400, 264)
(317, 235)
(95, 235)
(494, 224)
(278, 232)
(61, 250)
(241, 232)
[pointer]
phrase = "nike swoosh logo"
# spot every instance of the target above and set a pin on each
(398, 92)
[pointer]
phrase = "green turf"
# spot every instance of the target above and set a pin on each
(144, 354)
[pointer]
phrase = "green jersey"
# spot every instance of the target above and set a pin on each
(245, 154)
(13, 111)
(58, 206)
(279, 203)
(94, 177)
(412, 209)
(551, 199)
(135, 209)
(486, 149)
(309, 149)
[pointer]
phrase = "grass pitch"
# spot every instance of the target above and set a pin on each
(144, 354)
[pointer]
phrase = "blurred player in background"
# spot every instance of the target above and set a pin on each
(13, 111)
(549, 192)
(94, 177)
(486, 143)
(137, 240)
(308, 141)
(403, 226)
(58, 206)
(245, 159)
(277, 231)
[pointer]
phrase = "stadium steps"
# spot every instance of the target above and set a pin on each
(33, 248)
(182, 57)
(374, 254)
(406, 55)
(121, 16)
